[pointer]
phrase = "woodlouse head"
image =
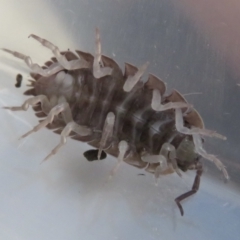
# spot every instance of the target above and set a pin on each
(185, 154)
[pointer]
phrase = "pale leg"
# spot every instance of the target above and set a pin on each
(63, 108)
(166, 158)
(181, 128)
(163, 166)
(123, 147)
(98, 69)
(69, 65)
(71, 126)
(45, 104)
(107, 132)
(199, 149)
(54, 68)
(132, 80)
(157, 106)
(169, 151)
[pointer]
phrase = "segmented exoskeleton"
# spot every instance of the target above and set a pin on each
(117, 113)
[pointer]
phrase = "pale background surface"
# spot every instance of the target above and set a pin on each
(67, 198)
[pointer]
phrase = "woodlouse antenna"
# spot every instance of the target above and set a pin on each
(195, 188)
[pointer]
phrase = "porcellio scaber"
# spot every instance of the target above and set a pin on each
(90, 99)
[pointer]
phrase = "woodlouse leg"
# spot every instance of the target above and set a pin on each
(171, 153)
(196, 132)
(54, 68)
(195, 188)
(123, 147)
(71, 126)
(157, 106)
(69, 65)
(163, 166)
(107, 132)
(201, 151)
(175, 166)
(153, 158)
(166, 158)
(132, 80)
(64, 109)
(45, 104)
(98, 69)
(181, 128)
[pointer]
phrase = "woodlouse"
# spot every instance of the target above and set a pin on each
(118, 113)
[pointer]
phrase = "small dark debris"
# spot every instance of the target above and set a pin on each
(91, 155)
(141, 174)
(19, 80)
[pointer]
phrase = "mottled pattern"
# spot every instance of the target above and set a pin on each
(92, 99)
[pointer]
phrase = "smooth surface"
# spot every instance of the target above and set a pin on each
(68, 197)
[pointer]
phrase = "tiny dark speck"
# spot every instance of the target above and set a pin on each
(91, 155)
(19, 80)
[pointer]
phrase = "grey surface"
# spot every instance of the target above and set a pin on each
(67, 197)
